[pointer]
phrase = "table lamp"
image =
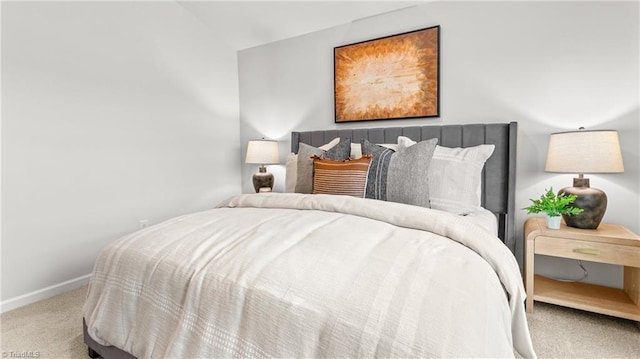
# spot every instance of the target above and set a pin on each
(582, 151)
(262, 152)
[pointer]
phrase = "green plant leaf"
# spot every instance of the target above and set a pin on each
(554, 205)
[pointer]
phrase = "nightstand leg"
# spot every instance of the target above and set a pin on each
(528, 273)
(632, 285)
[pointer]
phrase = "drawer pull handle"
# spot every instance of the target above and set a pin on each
(590, 251)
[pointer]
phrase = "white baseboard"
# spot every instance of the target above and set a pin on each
(43, 293)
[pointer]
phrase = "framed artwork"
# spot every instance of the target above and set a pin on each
(392, 77)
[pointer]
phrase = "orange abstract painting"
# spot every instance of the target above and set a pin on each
(388, 78)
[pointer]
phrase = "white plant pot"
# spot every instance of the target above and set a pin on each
(553, 222)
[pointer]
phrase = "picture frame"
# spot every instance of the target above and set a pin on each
(388, 78)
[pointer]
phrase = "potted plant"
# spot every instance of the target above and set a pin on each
(554, 206)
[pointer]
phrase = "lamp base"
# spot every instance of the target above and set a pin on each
(262, 179)
(592, 200)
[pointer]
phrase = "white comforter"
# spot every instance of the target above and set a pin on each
(289, 275)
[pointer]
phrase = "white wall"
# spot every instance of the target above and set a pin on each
(111, 113)
(551, 66)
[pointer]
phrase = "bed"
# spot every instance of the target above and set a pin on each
(319, 275)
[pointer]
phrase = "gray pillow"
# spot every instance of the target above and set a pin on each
(339, 152)
(378, 169)
(400, 176)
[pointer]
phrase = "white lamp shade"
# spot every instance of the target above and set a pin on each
(584, 151)
(262, 152)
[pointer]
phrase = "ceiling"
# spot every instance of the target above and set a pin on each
(245, 24)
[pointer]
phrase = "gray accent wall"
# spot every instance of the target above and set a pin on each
(550, 66)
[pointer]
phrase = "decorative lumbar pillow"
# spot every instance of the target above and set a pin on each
(455, 177)
(304, 181)
(400, 176)
(347, 178)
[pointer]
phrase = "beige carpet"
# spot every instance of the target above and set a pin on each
(52, 328)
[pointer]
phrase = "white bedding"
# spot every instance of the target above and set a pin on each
(485, 219)
(290, 275)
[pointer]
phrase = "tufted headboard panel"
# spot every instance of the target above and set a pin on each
(499, 175)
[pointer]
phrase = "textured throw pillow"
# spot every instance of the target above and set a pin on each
(339, 152)
(377, 177)
(291, 168)
(455, 178)
(304, 181)
(356, 149)
(400, 176)
(348, 178)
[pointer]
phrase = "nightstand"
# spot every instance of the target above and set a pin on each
(609, 243)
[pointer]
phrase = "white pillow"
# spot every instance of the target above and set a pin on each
(391, 146)
(405, 142)
(356, 149)
(330, 145)
(455, 176)
(291, 174)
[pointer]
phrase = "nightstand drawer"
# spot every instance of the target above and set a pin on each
(589, 251)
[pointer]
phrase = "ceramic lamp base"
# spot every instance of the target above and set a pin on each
(592, 200)
(263, 180)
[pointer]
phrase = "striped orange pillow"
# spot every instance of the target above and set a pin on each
(347, 178)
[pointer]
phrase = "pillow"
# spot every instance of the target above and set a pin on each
(291, 174)
(304, 181)
(339, 152)
(348, 178)
(391, 146)
(330, 145)
(356, 149)
(405, 141)
(455, 178)
(400, 176)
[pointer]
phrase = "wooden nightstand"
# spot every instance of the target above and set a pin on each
(609, 243)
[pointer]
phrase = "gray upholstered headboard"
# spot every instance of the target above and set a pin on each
(499, 175)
